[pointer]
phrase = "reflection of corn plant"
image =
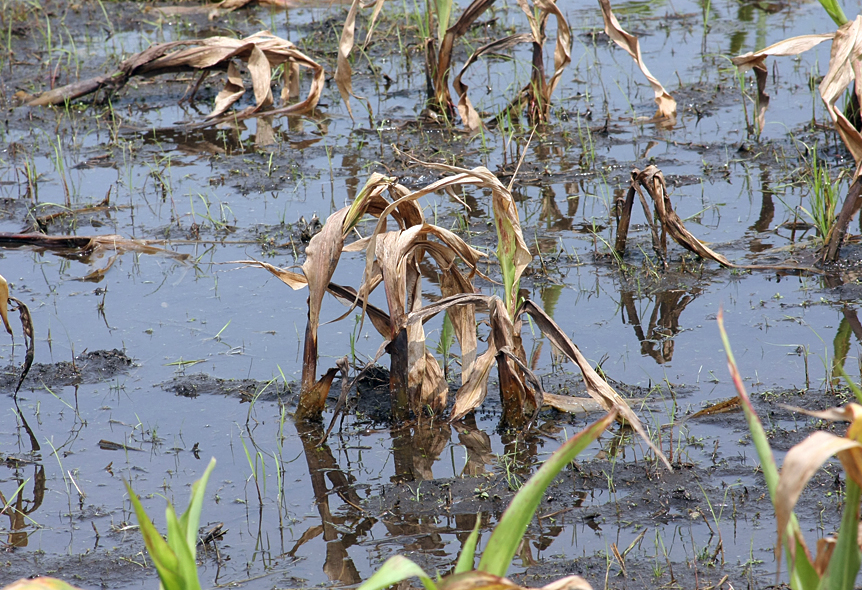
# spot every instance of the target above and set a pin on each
(506, 537)
(836, 563)
(844, 56)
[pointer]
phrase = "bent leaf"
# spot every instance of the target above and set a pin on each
(665, 102)
(800, 464)
(843, 69)
(597, 388)
(468, 113)
(343, 71)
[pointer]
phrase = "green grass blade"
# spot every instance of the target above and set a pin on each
(802, 575)
(192, 516)
(444, 11)
(845, 561)
(187, 568)
(510, 530)
(397, 569)
(853, 387)
(160, 553)
(465, 560)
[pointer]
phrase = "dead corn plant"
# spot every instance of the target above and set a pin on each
(392, 259)
(844, 70)
(536, 96)
(261, 53)
(667, 221)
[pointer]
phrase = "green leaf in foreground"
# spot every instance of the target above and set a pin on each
(468, 552)
(508, 533)
(397, 569)
(175, 558)
(844, 563)
(803, 576)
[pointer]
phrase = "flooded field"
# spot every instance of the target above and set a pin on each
(150, 361)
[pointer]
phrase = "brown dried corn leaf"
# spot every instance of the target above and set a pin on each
(666, 103)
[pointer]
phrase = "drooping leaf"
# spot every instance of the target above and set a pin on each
(232, 92)
(538, 92)
(844, 67)
(800, 464)
(597, 388)
(512, 251)
(472, 392)
(343, 71)
(756, 60)
(665, 102)
(471, 119)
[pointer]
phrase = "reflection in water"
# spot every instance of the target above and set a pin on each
(17, 508)
(478, 446)
(228, 139)
(338, 566)
(658, 342)
(850, 324)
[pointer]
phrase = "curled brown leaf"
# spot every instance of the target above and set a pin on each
(665, 102)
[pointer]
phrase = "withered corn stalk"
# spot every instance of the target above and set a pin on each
(392, 258)
(261, 52)
(844, 69)
(667, 222)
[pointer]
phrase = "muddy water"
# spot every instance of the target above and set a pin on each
(212, 352)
